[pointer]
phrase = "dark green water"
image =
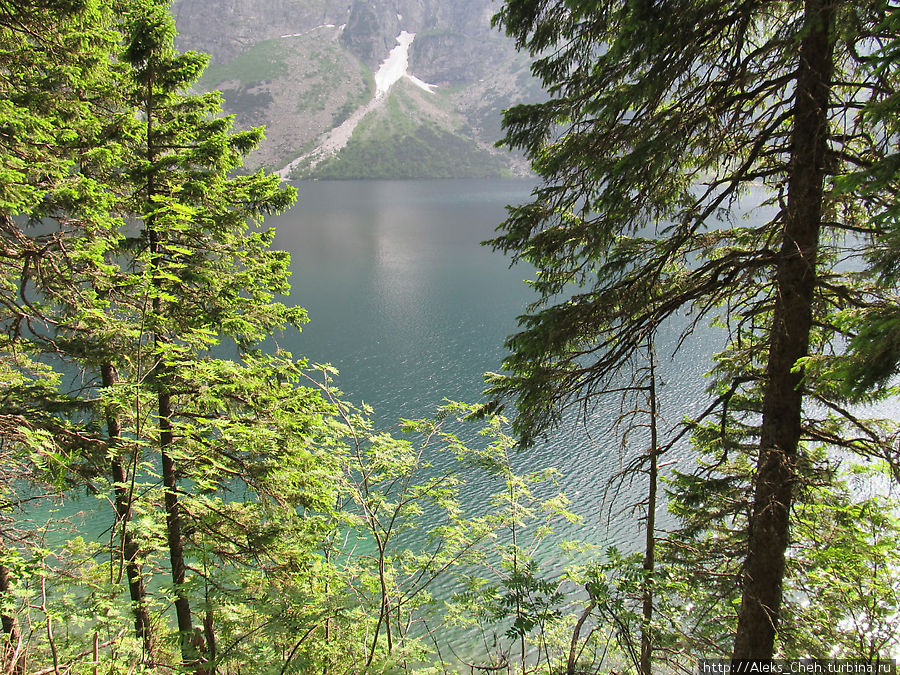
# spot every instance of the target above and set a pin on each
(412, 309)
(401, 296)
(405, 301)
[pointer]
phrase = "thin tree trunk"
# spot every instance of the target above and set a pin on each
(650, 546)
(789, 341)
(174, 528)
(12, 650)
(174, 535)
(164, 408)
(136, 587)
(576, 635)
(209, 632)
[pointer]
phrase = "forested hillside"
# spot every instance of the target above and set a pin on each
(176, 496)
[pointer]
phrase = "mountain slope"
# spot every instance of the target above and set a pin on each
(308, 72)
(410, 137)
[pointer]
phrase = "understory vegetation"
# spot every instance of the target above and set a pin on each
(167, 510)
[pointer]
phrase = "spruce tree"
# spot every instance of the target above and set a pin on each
(873, 360)
(130, 253)
(206, 273)
(661, 117)
(54, 227)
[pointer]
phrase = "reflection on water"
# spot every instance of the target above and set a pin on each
(401, 296)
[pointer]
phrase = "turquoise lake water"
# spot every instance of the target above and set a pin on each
(405, 301)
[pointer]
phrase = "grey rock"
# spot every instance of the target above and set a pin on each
(302, 67)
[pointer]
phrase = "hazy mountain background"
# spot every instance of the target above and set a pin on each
(304, 68)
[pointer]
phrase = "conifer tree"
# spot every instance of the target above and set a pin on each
(661, 117)
(874, 358)
(206, 273)
(92, 135)
(54, 227)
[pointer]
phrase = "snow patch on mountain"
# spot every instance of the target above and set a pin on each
(392, 70)
(396, 66)
(307, 32)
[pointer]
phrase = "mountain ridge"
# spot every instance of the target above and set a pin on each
(304, 68)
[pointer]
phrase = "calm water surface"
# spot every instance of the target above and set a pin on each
(401, 296)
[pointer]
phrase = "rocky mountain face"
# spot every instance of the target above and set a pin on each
(363, 88)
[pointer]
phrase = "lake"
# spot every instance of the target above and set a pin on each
(412, 309)
(401, 296)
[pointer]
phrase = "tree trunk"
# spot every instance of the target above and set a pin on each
(173, 529)
(789, 341)
(174, 537)
(646, 664)
(136, 587)
(12, 650)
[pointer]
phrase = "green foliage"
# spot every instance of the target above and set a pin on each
(426, 151)
(840, 587)
(868, 369)
(140, 469)
(645, 154)
(392, 142)
(262, 464)
(846, 593)
(354, 101)
(662, 120)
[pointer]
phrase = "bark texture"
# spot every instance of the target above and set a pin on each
(12, 650)
(646, 665)
(174, 528)
(795, 285)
